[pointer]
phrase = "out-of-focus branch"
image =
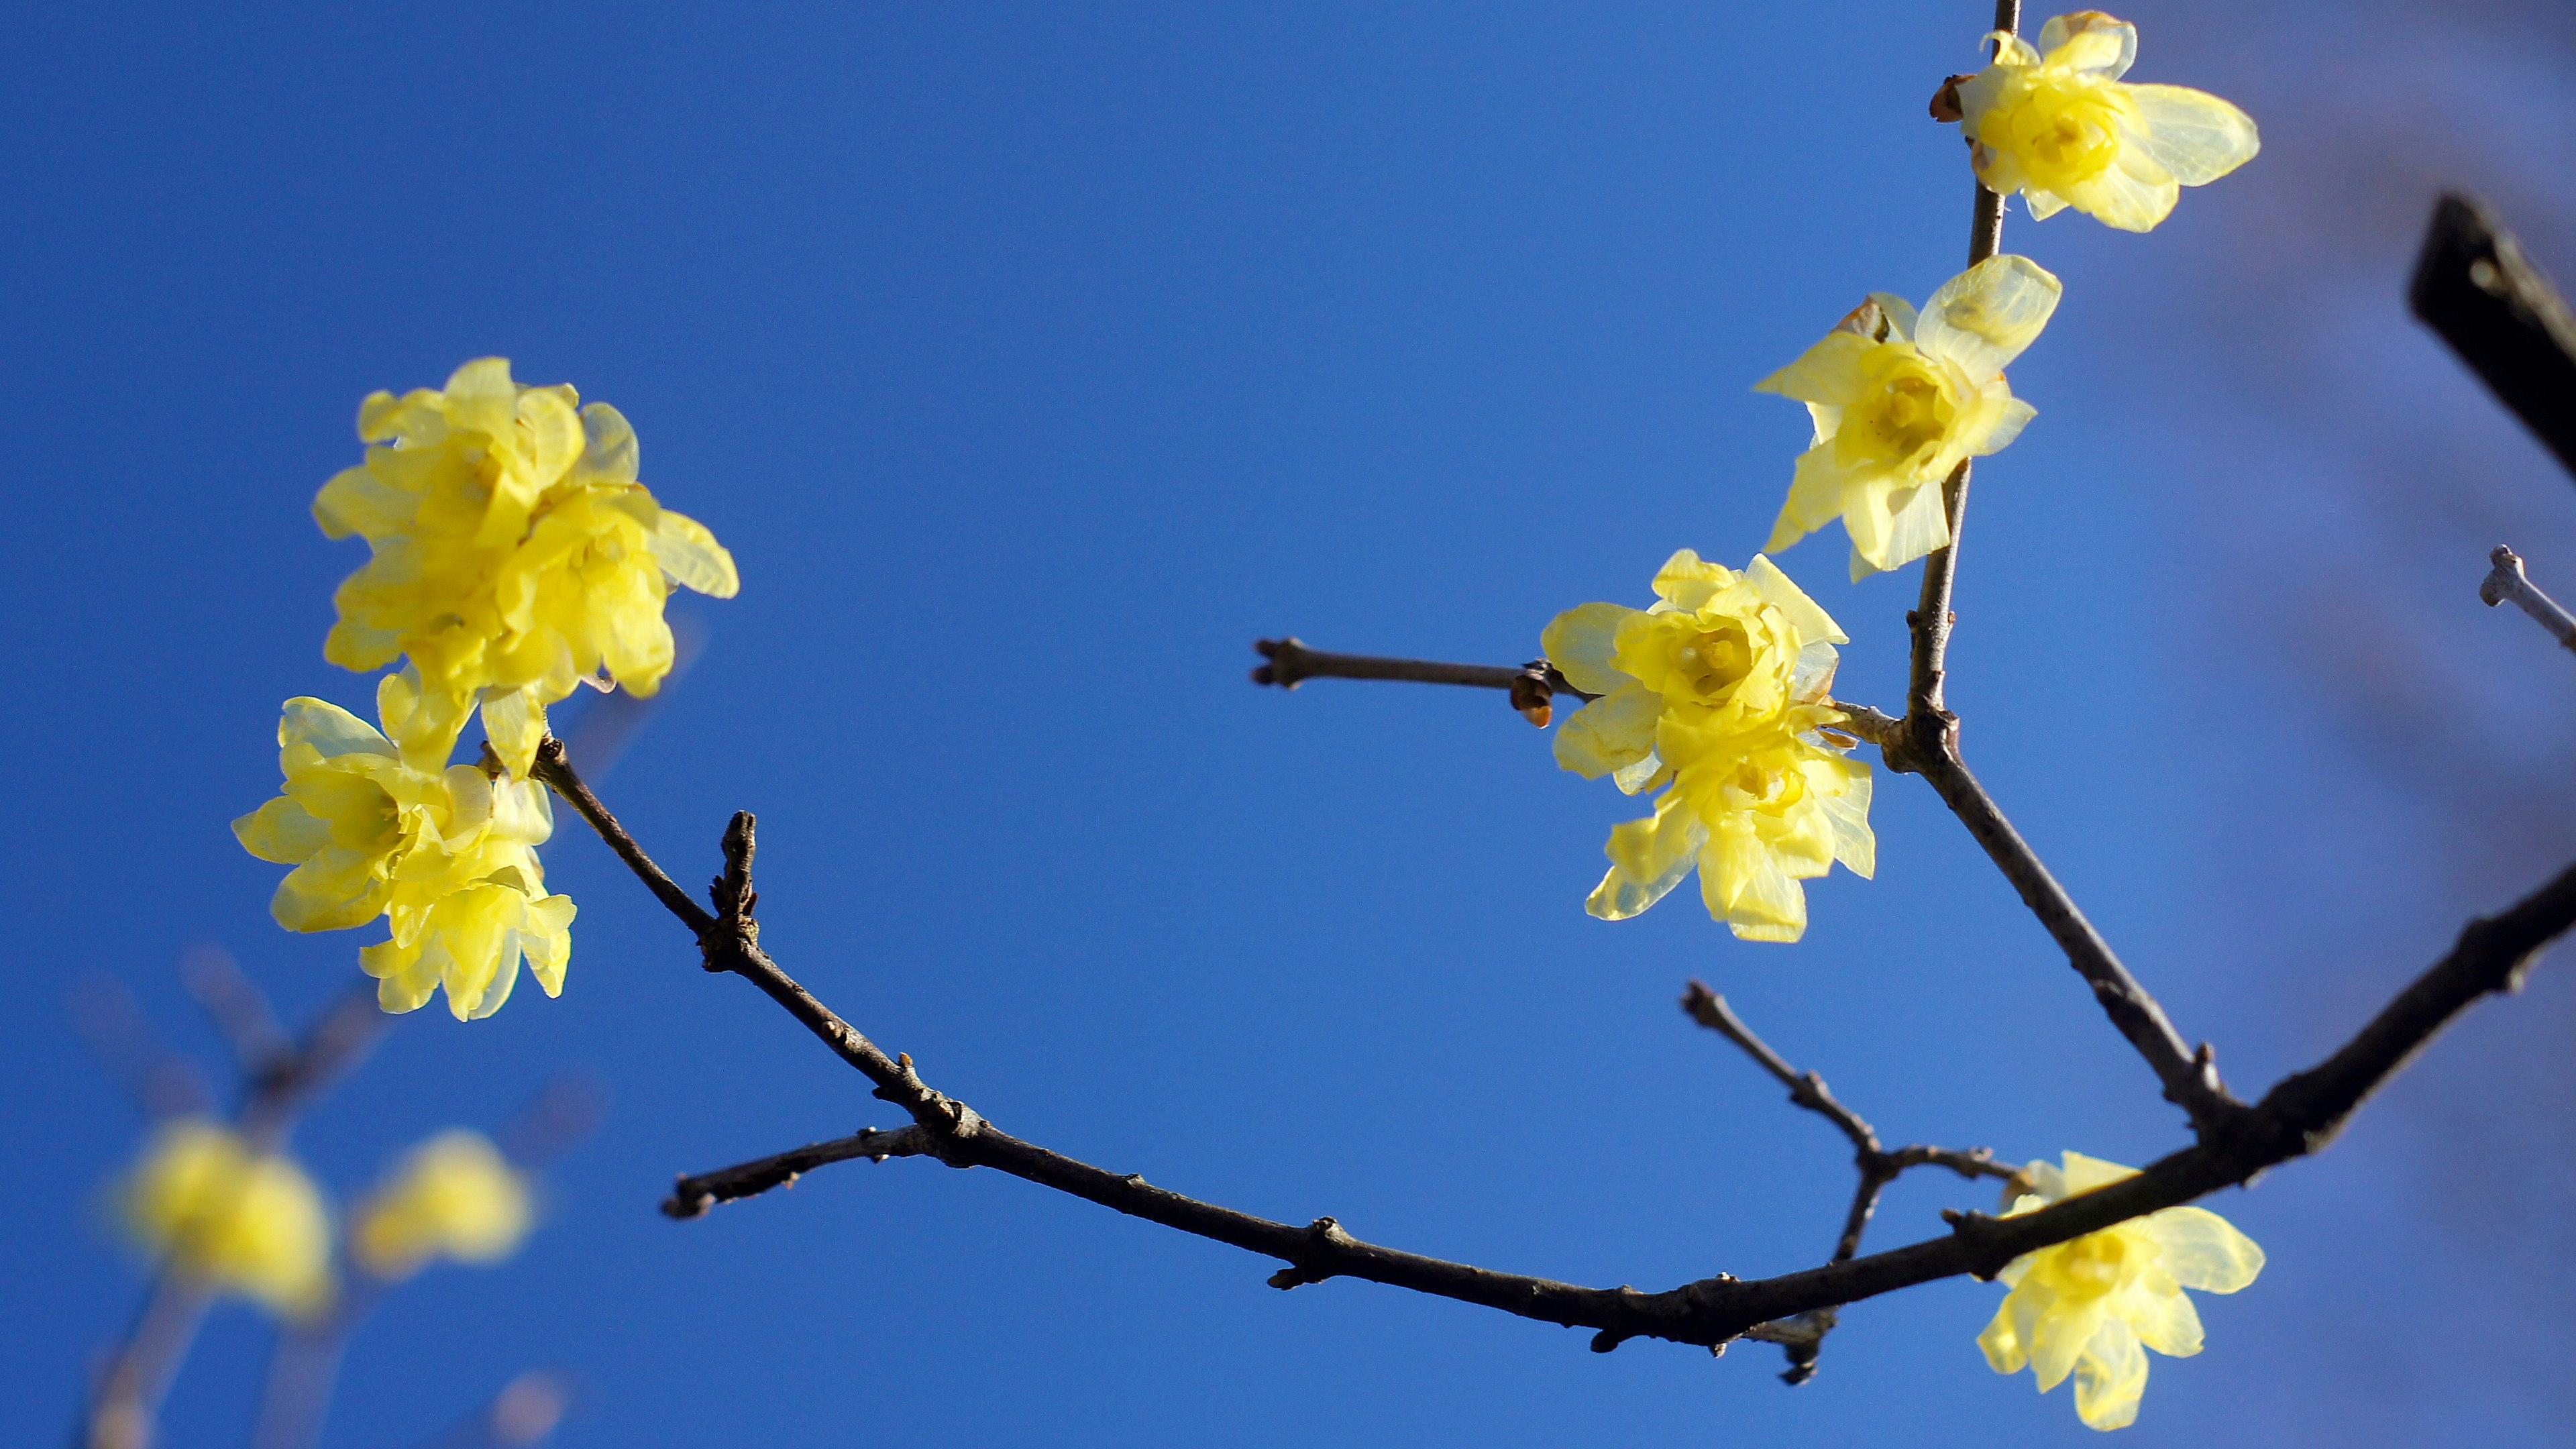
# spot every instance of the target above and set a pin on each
(160, 1082)
(523, 1414)
(126, 1403)
(2507, 582)
(1533, 686)
(2474, 286)
(1803, 1337)
(691, 1196)
(2300, 1115)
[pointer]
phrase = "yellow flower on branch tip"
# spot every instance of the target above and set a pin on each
(449, 855)
(453, 1196)
(514, 554)
(1899, 400)
(1715, 692)
(2058, 125)
(204, 1201)
(2093, 1305)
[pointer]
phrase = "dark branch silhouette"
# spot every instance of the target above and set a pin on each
(2474, 286)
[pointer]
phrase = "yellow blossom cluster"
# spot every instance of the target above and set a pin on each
(208, 1204)
(453, 1196)
(448, 855)
(514, 554)
(1716, 693)
(2091, 1306)
(514, 557)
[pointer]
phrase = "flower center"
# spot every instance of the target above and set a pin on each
(2094, 1264)
(1712, 662)
(2067, 133)
(1908, 413)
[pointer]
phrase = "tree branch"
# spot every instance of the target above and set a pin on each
(2298, 1116)
(691, 1196)
(1803, 1337)
(2507, 581)
(2474, 286)
(1532, 685)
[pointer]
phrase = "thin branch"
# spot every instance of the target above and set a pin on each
(691, 1196)
(2474, 286)
(2300, 1115)
(2507, 581)
(127, 1400)
(238, 1008)
(1533, 685)
(1804, 1336)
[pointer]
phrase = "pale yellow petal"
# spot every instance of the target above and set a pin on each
(1687, 581)
(282, 831)
(2110, 1377)
(2058, 1337)
(1816, 494)
(2203, 1250)
(329, 729)
(1986, 316)
(515, 723)
(1848, 809)
(2133, 194)
(2003, 1347)
(2193, 134)
(2089, 40)
(2083, 1174)
(1611, 733)
(1918, 523)
(1578, 643)
(1647, 859)
(2165, 1320)
(1744, 883)
(1804, 614)
(692, 557)
(609, 452)
(1829, 372)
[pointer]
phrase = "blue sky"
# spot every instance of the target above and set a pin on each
(1032, 362)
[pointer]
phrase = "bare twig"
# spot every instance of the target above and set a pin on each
(127, 1400)
(1533, 685)
(161, 1082)
(238, 1008)
(2474, 286)
(2298, 1116)
(1803, 1337)
(2507, 581)
(692, 1196)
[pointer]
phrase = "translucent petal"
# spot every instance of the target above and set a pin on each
(1829, 372)
(515, 724)
(1578, 643)
(356, 501)
(2012, 50)
(2110, 1377)
(1611, 733)
(333, 891)
(2083, 1174)
(2057, 1338)
(1848, 809)
(2162, 1315)
(2133, 193)
(1803, 613)
(1986, 316)
(2193, 134)
(1918, 524)
(2203, 1250)
(1647, 859)
(1687, 581)
(282, 831)
(609, 451)
(1816, 495)
(1867, 520)
(2089, 40)
(1744, 883)
(329, 729)
(692, 557)
(2003, 1347)
(2043, 204)
(2009, 420)
(1648, 774)
(1812, 677)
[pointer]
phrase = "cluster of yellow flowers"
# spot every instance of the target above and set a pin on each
(513, 558)
(208, 1203)
(1719, 693)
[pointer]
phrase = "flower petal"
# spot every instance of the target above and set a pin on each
(692, 557)
(1578, 643)
(2203, 1250)
(1986, 316)
(2090, 41)
(1803, 613)
(1611, 733)
(2162, 1314)
(2193, 134)
(1829, 372)
(1647, 859)
(2110, 1377)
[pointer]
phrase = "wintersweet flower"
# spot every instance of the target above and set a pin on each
(453, 1196)
(1900, 400)
(2058, 125)
(2087, 1306)
(1716, 692)
(449, 855)
(204, 1201)
(514, 554)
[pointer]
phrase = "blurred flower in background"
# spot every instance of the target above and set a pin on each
(453, 1196)
(206, 1203)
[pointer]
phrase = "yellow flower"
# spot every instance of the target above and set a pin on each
(514, 554)
(1716, 691)
(2058, 125)
(253, 1223)
(2087, 1305)
(1899, 401)
(453, 1196)
(449, 855)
